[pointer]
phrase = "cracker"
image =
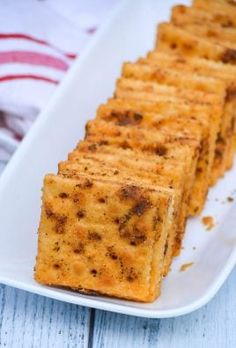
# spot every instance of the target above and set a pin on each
(175, 146)
(114, 248)
(202, 66)
(227, 38)
(163, 155)
(219, 7)
(152, 70)
(160, 88)
(182, 15)
(168, 142)
(171, 38)
(172, 128)
(147, 70)
(223, 72)
(127, 166)
(210, 121)
(212, 32)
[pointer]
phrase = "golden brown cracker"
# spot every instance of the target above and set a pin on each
(182, 15)
(172, 38)
(128, 166)
(218, 7)
(223, 72)
(210, 121)
(109, 248)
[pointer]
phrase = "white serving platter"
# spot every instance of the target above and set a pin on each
(128, 33)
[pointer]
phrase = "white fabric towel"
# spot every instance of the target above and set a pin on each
(39, 40)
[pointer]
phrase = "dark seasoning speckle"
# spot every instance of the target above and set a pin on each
(134, 235)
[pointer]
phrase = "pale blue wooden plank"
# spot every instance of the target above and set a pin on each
(211, 326)
(28, 320)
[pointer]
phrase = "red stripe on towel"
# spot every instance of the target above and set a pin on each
(7, 36)
(26, 77)
(33, 58)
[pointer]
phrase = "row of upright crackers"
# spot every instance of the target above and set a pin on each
(114, 216)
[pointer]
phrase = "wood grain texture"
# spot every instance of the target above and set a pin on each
(211, 326)
(28, 320)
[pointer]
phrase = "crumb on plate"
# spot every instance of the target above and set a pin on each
(185, 266)
(230, 199)
(208, 221)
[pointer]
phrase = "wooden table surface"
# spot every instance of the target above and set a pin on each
(28, 320)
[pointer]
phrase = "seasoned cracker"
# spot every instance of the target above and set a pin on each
(224, 148)
(209, 120)
(218, 7)
(113, 248)
(127, 166)
(172, 38)
(224, 72)
(147, 70)
(182, 15)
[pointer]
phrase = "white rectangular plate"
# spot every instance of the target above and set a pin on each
(128, 34)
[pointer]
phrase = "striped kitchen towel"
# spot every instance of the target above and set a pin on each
(39, 40)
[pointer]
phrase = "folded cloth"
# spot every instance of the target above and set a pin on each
(39, 40)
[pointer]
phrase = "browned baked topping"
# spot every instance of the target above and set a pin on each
(92, 147)
(126, 118)
(133, 235)
(188, 46)
(140, 208)
(60, 223)
(161, 150)
(138, 116)
(102, 200)
(76, 198)
(103, 142)
(80, 214)
(79, 249)
(60, 220)
(129, 192)
(231, 2)
(111, 253)
(230, 94)
(63, 195)
(92, 235)
(56, 266)
(93, 272)
(125, 145)
(48, 210)
(131, 274)
(229, 56)
(88, 183)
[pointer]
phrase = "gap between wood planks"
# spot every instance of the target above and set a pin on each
(91, 327)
